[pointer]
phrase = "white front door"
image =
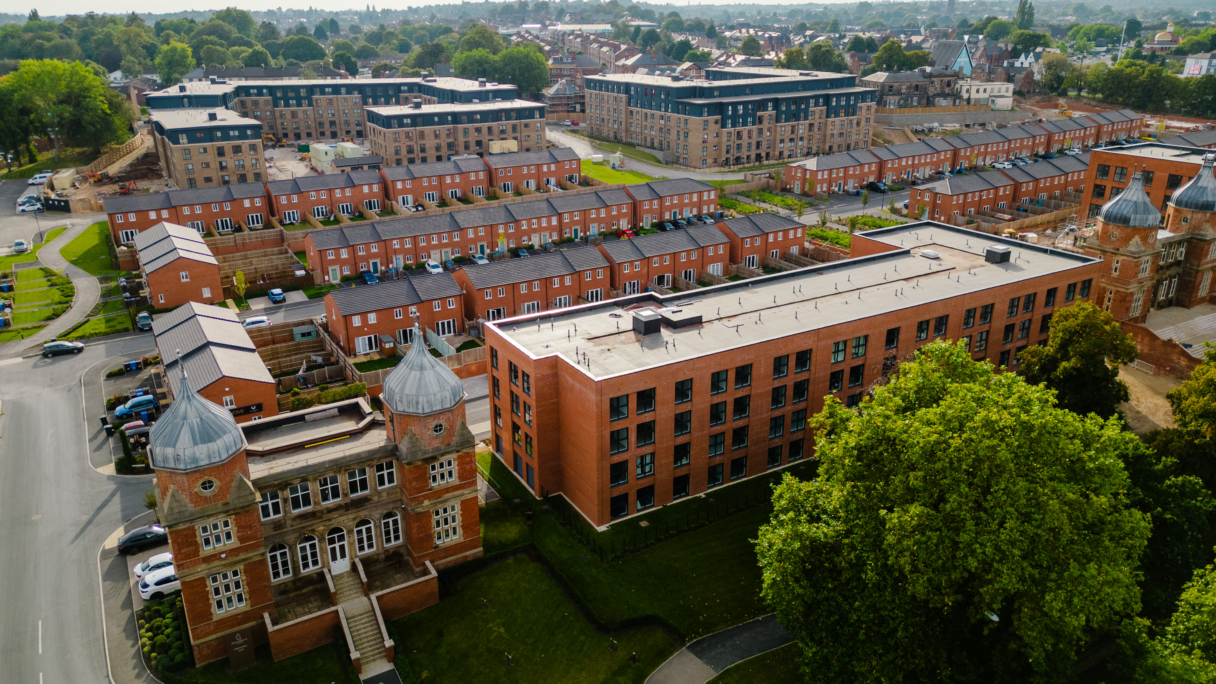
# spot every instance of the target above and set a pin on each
(333, 274)
(339, 561)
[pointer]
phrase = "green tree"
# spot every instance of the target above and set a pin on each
(750, 47)
(1081, 360)
(475, 64)
(257, 57)
(241, 21)
(891, 57)
(239, 286)
(344, 59)
(482, 37)
(1024, 18)
(1026, 41)
(267, 31)
(1055, 70)
(998, 29)
(673, 25)
(821, 56)
(648, 39)
(173, 62)
(524, 67)
(427, 56)
(711, 32)
(680, 49)
(214, 56)
(366, 51)
(1194, 401)
(865, 199)
(794, 58)
(321, 33)
(961, 528)
(302, 48)
(1132, 28)
(383, 69)
(68, 101)
(698, 56)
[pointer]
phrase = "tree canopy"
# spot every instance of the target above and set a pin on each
(750, 47)
(962, 528)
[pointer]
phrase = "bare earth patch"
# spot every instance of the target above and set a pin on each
(1147, 410)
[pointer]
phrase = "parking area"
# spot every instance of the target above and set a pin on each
(286, 162)
(124, 387)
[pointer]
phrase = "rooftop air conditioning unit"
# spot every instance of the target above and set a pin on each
(647, 322)
(997, 254)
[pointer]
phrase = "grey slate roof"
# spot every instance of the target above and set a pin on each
(390, 294)
(343, 162)
(193, 433)
(511, 271)
(1132, 208)
(421, 384)
(179, 198)
(348, 179)
(165, 243)
(760, 224)
(1195, 139)
(456, 165)
(666, 188)
(557, 154)
(1199, 194)
(213, 345)
(975, 182)
(657, 244)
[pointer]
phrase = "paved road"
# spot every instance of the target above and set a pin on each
(88, 291)
(56, 512)
(704, 658)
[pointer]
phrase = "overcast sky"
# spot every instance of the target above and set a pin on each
(123, 6)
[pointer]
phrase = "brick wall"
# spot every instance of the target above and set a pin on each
(410, 597)
(1167, 356)
(167, 290)
(298, 636)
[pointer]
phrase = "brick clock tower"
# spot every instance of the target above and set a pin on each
(209, 506)
(424, 414)
(1126, 239)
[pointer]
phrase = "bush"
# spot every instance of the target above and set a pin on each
(301, 403)
(831, 237)
(342, 393)
(121, 370)
(295, 391)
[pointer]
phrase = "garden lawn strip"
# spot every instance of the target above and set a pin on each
(90, 251)
(778, 666)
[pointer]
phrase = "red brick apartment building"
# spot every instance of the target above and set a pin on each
(754, 237)
(217, 210)
(433, 182)
(670, 199)
(533, 170)
(290, 536)
(636, 402)
(322, 197)
(542, 282)
(178, 266)
(660, 258)
(921, 159)
(1152, 259)
(212, 346)
(367, 319)
(1165, 168)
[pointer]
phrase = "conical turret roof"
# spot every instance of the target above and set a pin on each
(194, 433)
(1132, 208)
(1199, 193)
(421, 384)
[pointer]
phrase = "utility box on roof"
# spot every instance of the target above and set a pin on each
(997, 254)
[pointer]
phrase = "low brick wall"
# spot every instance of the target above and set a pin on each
(397, 602)
(1167, 356)
(298, 636)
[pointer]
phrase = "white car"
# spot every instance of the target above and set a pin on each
(21, 247)
(40, 179)
(28, 207)
(159, 583)
(433, 267)
(480, 259)
(1072, 153)
(1002, 165)
(256, 322)
(160, 560)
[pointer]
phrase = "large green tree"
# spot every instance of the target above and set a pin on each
(821, 56)
(1194, 401)
(302, 48)
(524, 67)
(1022, 42)
(475, 64)
(174, 61)
(750, 47)
(344, 59)
(482, 37)
(241, 21)
(962, 528)
(998, 29)
(257, 57)
(1085, 347)
(1024, 18)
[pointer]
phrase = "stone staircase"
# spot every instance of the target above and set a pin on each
(361, 619)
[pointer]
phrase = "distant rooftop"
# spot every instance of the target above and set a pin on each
(173, 119)
(757, 310)
(452, 107)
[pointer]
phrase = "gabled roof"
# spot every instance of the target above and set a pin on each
(213, 345)
(550, 156)
(165, 243)
(657, 244)
(408, 291)
(842, 160)
(348, 179)
(455, 165)
(760, 224)
(974, 182)
(179, 198)
(520, 270)
(666, 188)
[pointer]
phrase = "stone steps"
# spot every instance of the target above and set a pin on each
(365, 632)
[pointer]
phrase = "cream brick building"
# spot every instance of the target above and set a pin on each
(206, 148)
(422, 133)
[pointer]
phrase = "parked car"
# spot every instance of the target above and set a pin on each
(681, 223)
(136, 427)
(877, 186)
(521, 252)
(276, 296)
(28, 208)
(141, 538)
(61, 347)
(667, 225)
(134, 406)
(1072, 153)
(21, 247)
(31, 198)
(565, 122)
(905, 205)
(707, 219)
(480, 259)
(143, 321)
(256, 322)
(1047, 156)
(627, 233)
(40, 179)
(160, 560)
(433, 267)
(368, 277)
(159, 583)
(1002, 165)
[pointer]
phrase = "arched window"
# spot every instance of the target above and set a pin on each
(310, 558)
(280, 562)
(390, 529)
(365, 537)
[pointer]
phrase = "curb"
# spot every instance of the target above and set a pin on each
(105, 641)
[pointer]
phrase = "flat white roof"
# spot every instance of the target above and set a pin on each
(488, 105)
(599, 338)
(194, 118)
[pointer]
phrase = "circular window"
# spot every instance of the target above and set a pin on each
(206, 486)
(437, 429)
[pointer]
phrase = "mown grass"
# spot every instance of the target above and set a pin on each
(47, 162)
(608, 174)
(99, 327)
(318, 666)
(90, 251)
(778, 666)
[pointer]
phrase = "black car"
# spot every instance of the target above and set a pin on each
(667, 226)
(681, 223)
(61, 347)
(142, 538)
(877, 186)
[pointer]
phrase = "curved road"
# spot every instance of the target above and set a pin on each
(585, 150)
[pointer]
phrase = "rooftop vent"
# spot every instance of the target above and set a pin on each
(417, 103)
(677, 77)
(997, 254)
(930, 254)
(647, 322)
(181, 88)
(481, 83)
(679, 318)
(213, 116)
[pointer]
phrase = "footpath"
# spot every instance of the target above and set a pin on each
(705, 658)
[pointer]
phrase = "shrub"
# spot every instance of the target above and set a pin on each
(295, 391)
(830, 236)
(301, 403)
(322, 387)
(342, 393)
(117, 372)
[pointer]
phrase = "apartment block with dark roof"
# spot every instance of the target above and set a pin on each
(178, 266)
(368, 319)
(219, 210)
(202, 148)
(535, 283)
(660, 258)
(321, 197)
(426, 133)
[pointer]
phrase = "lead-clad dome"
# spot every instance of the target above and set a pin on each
(194, 433)
(1132, 208)
(1199, 194)
(421, 384)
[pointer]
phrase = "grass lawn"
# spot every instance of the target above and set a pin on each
(37, 315)
(377, 364)
(90, 250)
(627, 150)
(608, 174)
(11, 334)
(112, 306)
(46, 162)
(36, 283)
(303, 257)
(778, 666)
(318, 666)
(52, 296)
(98, 327)
(533, 620)
(469, 344)
(318, 291)
(7, 262)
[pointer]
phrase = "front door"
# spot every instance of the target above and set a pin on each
(376, 267)
(339, 561)
(333, 274)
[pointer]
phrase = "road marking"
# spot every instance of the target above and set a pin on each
(40, 639)
(36, 516)
(15, 359)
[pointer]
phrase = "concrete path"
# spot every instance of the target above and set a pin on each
(704, 658)
(585, 150)
(88, 290)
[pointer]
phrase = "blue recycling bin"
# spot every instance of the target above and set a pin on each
(144, 416)
(132, 366)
